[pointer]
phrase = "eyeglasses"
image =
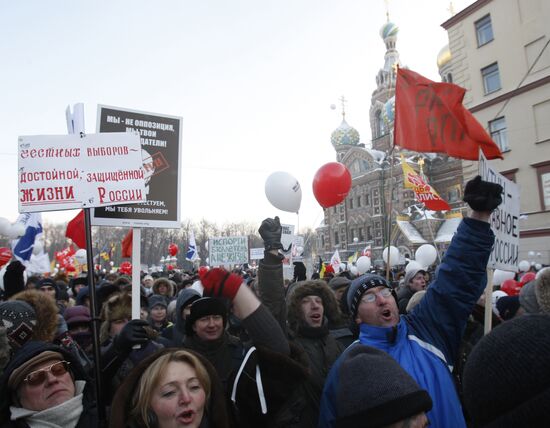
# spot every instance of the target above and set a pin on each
(371, 297)
(39, 376)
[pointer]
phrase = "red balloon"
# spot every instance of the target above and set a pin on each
(173, 249)
(170, 267)
(528, 277)
(5, 255)
(331, 184)
(511, 287)
(203, 270)
(125, 268)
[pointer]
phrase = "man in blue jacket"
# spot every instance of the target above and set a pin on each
(426, 341)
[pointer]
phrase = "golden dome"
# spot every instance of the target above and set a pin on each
(444, 56)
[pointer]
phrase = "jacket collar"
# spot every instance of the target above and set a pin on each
(373, 334)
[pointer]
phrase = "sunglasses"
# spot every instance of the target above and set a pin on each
(39, 376)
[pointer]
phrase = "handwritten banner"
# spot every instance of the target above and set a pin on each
(228, 250)
(61, 172)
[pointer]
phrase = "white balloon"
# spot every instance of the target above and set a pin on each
(353, 270)
(283, 191)
(38, 247)
(5, 226)
(394, 255)
(531, 254)
(538, 266)
(499, 276)
(426, 255)
(413, 264)
(524, 266)
(80, 256)
(363, 264)
(15, 231)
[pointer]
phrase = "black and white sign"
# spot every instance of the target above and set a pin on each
(160, 137)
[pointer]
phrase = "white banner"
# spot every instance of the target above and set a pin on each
(228, 250)
(256, 253)
(61, 172)
(504, 220)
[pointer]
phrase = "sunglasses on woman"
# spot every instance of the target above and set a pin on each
(38, 377)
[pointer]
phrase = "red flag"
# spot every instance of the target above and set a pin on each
(76, 230)
(127, 244)
(430, 117)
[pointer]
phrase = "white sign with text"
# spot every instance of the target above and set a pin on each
(228, 250)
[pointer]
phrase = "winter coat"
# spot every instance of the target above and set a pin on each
(426, 341)
(88, 418)
(404, 294)
(216, 411)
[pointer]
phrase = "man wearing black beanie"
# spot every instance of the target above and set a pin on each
(426, 341)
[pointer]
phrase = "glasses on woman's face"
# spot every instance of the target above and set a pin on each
(38, 377)
(371, 297)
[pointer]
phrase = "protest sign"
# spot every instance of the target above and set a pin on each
(287, 235)
(62, 172)
(504, 220)
(256, 253)
(160, 137)
(228, 250)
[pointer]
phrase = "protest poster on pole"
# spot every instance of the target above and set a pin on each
(62, 172)
(504, 220)
(228, 250)
(256, 253)
(160, 138)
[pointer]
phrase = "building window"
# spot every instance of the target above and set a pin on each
(358, 201)
(369, 232)
(335, 210)
(497, 129)
(449, 78)
(484, 30)
(336, 238)
(342, 217)
(491, 78)
(543, 174)
(454, 194)
(322, 241)
(361, 237)
(350, 203)
(367, 200)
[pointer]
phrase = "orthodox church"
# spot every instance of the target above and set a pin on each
(378, 207)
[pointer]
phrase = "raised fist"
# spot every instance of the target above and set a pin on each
(271, 231)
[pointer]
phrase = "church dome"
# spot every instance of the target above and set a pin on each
(443, 57)
(389, 29)
(345, 135)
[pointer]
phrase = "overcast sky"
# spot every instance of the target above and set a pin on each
(252, 79)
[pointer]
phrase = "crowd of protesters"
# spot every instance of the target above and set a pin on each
(245, 349)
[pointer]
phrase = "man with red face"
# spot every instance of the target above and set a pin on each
(426, 341)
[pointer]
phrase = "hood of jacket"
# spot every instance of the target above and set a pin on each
(46, 314)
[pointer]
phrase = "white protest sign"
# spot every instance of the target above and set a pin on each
(256, 253)
(228, 250)
(60, 172)
(504, 220)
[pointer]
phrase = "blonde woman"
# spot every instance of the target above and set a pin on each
(172, 388)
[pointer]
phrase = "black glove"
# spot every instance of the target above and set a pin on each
(271, 231)
(13, 278)
(131, 334)
(482, 195)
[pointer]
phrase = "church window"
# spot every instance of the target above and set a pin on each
(380, 131)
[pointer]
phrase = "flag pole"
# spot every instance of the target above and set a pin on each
(388, 263)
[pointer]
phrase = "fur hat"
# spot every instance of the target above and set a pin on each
(507, 376)
(528, 298)
(46, 314)
(169, 284)
(203, 307)
(375, 391)
(117, 307)
(542, 290)
(19, 319)
(311, 288)
(360, 285)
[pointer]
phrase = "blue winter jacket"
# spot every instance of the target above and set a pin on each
(426, 341)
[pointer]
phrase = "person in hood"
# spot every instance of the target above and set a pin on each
(426, 342)
(45, 386)
(176, 332)
(414, 281)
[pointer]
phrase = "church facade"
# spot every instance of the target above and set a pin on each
(378, 208)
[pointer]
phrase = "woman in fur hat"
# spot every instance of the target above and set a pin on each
(172, 387)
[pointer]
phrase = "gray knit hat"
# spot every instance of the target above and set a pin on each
(359, 286)
(411, 274)
(375, 391)
(542, 290)
(528, 298)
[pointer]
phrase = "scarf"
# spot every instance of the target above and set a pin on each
(64, 415)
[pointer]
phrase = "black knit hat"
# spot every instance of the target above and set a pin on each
(375, 391)
(203, 307)
(360, 285)
(507, 375)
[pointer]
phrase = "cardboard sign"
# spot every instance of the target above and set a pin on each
(256, 253)
(228, 250)
(160, 138)
(504, 220)
(62, 172)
